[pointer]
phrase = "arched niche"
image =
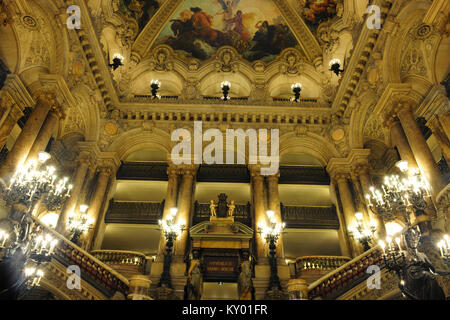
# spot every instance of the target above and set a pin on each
(280, 86)
(147, 155)
(210, 84)
(171, 83)
(299, 159)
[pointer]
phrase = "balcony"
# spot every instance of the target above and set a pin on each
(127, 263)
(310, 217)
(311, 268)
(134, 212)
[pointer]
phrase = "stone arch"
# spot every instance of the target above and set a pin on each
(311, 144)
(136, 139)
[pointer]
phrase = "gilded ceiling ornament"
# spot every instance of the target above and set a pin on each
(111, 128)
(162, 60)
(226, 60)
(29, 22)
(291, 63)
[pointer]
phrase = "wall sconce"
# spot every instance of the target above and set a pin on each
(226, 86)
(335, 66)
(155, 85)
(296, 88)
(117, 61)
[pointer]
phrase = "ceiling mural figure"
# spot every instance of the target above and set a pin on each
(315, 12)
(139, 10)
(255, 29)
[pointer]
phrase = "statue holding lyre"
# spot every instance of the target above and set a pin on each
(231, 208)
(213, 208)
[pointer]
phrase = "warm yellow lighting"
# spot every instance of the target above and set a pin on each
(334, 61)
(359, 216)
(402, 165)
(83, 208)
(43, 157)
(393, 228)
(50, 219)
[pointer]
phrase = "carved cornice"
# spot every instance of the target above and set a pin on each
(147, 37)
(17, 91)
(361, 54)
(305, 38)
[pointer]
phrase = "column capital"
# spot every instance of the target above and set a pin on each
(47, 97)
(273, 177)
(361, 168)
(188, 170)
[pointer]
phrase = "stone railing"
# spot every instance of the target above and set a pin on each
(318, 264)
(337, 281)
(94, 271)
(134, 212)
(310, 217)
(240, 101)
(133, 261)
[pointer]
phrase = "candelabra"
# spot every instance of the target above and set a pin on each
(296, 88)
(271, 233)
(155, 85)
(444, 247)
(401, 194)
(33, 182)
(335, 66)
(80, 223)
(393, 256)
(171, 231)
(362, 233)
(117, 61)
(226, 86)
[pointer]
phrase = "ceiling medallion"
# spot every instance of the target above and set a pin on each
(423, 31)
(29, 22)
(338, 134)
(111, 128)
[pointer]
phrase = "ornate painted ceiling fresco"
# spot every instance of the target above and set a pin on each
(314, 12)
(198, 28)
(141, 11)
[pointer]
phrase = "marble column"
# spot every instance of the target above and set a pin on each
(45, 134)
(436, 126)
(399, 139)
(24, 142)
(422, 153)
(365, 180)
(344, 242)
(260, 211)
(70, 205)
(11, 118)
(96, 202)
(170, 201)
(347, 206)
(273, 197)
(184, 209)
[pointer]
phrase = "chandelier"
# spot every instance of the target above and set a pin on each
(171, 231)
(272, 233)
(79, 224)
(444, 247)
(400, 194)
(35, 181)
(364, 234)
